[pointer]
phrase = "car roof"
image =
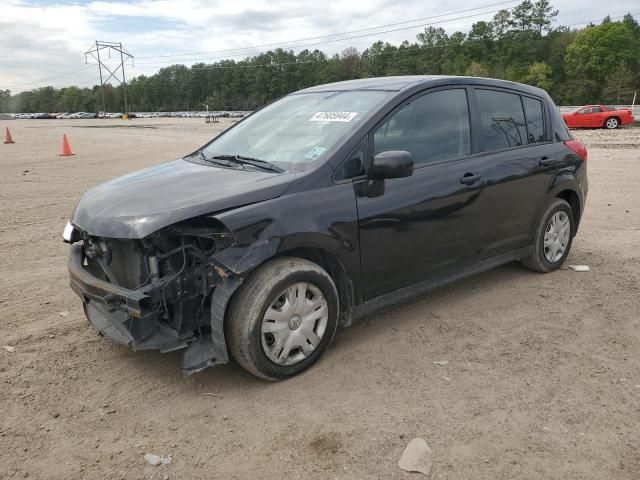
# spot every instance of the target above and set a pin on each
(393, 84)
(398, 83)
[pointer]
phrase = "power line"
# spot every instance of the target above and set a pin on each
(400, 50)
(194, 60)
(335, 34)
(354, 36)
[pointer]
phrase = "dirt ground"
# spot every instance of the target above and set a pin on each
(542, 380)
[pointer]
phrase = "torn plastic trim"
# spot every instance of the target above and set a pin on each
(211, 351)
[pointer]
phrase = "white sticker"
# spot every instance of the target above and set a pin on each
(315, 152)
(333, 117)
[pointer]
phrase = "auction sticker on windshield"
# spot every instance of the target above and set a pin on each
(333, 117)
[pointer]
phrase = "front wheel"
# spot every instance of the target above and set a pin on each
(553, 238)
(283, 318)
(611, 123)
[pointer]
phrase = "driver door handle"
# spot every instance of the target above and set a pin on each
(470, 178)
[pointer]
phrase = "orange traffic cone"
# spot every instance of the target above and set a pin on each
(66, 149)
(8, 138)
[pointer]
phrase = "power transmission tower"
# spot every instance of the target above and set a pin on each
(116, 73)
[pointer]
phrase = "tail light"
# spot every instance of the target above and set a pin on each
(578, 147)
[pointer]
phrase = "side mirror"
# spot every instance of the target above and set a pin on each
(392, 164)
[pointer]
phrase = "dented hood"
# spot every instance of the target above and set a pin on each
(135, 205)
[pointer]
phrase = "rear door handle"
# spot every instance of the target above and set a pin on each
(546, 162)
(470, 178)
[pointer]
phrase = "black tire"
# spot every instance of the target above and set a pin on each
(611, 123)
(249, 304)
(537, 261)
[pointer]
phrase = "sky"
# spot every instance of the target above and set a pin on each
(43, 42)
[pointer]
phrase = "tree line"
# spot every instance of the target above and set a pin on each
(594, 64)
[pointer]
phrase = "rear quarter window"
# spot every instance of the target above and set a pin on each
(559, 128)
(535, 119)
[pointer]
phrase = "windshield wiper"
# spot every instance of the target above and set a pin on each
(212, 160)
(256, 162)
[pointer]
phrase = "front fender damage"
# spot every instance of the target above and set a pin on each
(206, 352)
(232, 265)
(244, 259)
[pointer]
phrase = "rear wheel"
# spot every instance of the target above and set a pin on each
(611, 123)
(553, 238)
(283, 318)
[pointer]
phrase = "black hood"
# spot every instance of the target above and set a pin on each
(135, 205)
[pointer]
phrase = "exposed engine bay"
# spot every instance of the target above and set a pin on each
(167, 281)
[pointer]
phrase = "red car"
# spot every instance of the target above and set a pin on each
(597, 116)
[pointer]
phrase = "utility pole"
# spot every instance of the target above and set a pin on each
(104, 109)
(116, 73)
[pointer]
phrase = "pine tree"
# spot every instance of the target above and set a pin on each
(542, 15)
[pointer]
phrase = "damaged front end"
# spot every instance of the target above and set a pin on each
(164, 292)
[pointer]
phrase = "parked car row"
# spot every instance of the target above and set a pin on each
(85, 115)
(51, 116)
(197, 114)
(589, 116)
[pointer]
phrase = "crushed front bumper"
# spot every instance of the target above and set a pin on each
(94, 289)
(128, 317)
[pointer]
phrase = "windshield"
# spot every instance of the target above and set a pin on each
(297, 131)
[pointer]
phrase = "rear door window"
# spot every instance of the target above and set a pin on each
(535, 119)
(502, 122)
(433, 128)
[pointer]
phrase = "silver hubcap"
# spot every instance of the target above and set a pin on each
(294, 324)
(556, 236)
(612, 123)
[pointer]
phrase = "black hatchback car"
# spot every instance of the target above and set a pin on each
(322, 207)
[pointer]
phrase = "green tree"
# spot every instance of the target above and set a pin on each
(477, 69)
(539, 75)
(501, 23)
(522, 16)
(432, 43)
(5, 97)
(350, 63)
(542, 14)
(481, 42)
(618, 88)
(596, 52)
